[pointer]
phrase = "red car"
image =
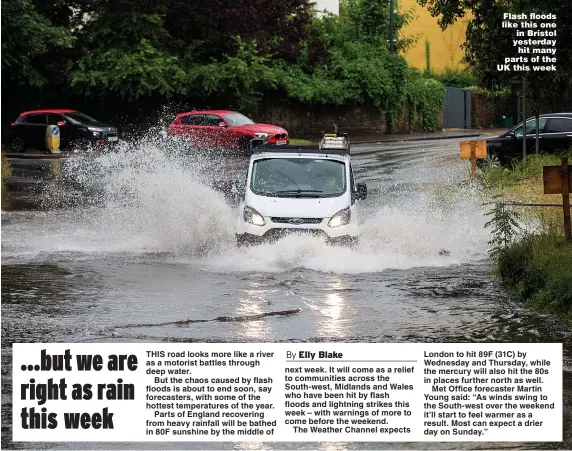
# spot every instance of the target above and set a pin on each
(223, 129)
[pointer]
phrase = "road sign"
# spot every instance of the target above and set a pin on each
(473, 150)
(479, 147)
(558, 180)
(552, 178)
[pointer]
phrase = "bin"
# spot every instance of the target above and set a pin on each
(506, 122)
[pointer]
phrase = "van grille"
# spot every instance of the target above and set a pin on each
(276, 234)
(297, 221)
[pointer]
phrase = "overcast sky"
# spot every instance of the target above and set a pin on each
(330, 5)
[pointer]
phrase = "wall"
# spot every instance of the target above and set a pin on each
(309, 122)
(445, 49)
(487, 111)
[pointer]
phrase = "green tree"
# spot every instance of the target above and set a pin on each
(127, 54)
(488, 43)
(27, 35)
(240, 77)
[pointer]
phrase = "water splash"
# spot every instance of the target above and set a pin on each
(147, 198)
(413, 235)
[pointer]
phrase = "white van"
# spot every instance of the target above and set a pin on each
(297, 189)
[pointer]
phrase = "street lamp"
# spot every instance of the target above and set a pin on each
(516, 81)
(391, 43)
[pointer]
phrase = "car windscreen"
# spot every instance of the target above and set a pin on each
(82, 118)
(237, 119)
(298, 177)
(530, 127)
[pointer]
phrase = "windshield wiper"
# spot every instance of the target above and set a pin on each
(299, 193)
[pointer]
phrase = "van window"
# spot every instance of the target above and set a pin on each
(298, 177)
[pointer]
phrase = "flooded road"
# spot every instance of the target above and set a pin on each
(136, 247)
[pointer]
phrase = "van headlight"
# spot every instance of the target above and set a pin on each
(341, 218)
(253, 217)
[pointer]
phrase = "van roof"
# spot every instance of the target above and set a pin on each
(299, 149)
(314, 153)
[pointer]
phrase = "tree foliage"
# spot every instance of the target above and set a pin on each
(244, 75)
(233, 53)
(27, 35)
(488, 43)
(425, 96)
(277, 26)
(127, 54)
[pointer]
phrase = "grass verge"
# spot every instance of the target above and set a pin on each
(537, 266)
(6, 170)
(539, 269)
(523, 183)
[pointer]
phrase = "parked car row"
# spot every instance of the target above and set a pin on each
(223, 129)
(203, 129)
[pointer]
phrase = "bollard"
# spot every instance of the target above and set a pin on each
(53, 138)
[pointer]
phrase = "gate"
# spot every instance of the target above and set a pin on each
(457, 108)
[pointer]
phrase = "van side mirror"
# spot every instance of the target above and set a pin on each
(361, 191)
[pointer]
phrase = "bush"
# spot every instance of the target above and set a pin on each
(425, 96)
(456, 78)
(539, 270)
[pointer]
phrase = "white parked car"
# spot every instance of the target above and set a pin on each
(302, 190)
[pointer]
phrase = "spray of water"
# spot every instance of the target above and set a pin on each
(146, 197)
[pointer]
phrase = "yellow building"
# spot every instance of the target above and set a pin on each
(444, 45)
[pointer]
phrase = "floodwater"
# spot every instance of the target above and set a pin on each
(135, 246)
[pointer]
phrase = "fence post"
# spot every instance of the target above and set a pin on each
(566, 198)
(473, 162)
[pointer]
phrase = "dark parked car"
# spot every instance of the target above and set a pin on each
(29, 130)
(555, 135)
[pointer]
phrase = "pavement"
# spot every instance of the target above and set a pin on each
(35, 154)
(451, 133)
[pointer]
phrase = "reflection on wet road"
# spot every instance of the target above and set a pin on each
(137, 247)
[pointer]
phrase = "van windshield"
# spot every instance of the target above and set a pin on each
(298, 177)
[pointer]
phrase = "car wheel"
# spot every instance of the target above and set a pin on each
(17, 144)
(492, 160)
